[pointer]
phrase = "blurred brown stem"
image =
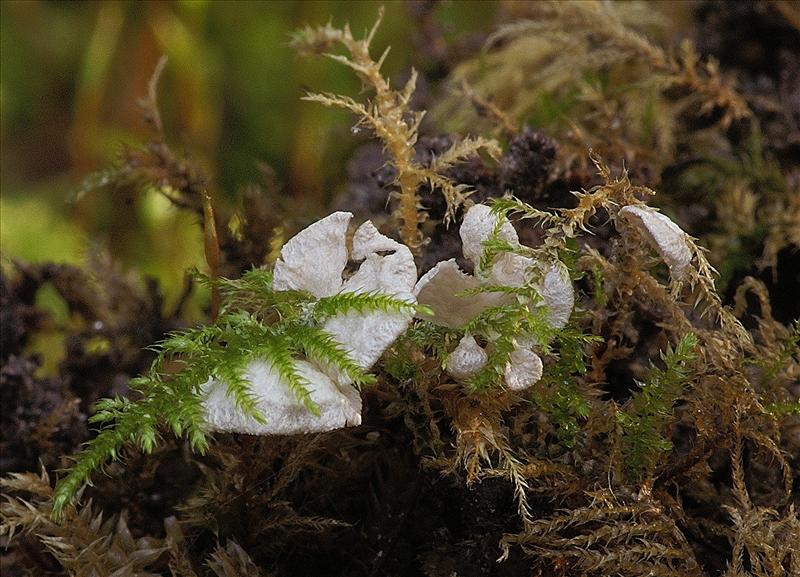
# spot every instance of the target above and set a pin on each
(212, 253)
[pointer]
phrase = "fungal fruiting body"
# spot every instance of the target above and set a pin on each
(450, 293)
(524, 368)
(314, 261)
(663, 235)
(339, 406)
(466, 359)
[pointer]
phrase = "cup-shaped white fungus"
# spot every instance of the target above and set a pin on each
(558, 294)
(442, 289)
(478, 226)
(314, 260)
(523, 369)
(665, 236)
(387, 267)
(466, 360)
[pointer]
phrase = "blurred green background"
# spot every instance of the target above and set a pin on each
(72, 75)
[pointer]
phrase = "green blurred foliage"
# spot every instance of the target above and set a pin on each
(71, 78)
(72, 75)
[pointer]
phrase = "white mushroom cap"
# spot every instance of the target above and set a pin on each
(440, 290)
(466, 360)
(509, 269)
(390, 273)
(558, 295)
(439, 287)
(478, 225)
(366, 335)
(314, 259)
(523, 369)
(663, 234)
(284, 414)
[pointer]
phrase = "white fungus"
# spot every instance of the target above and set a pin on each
(558, 295)
(478, 225)
(663, 234)
(443, 286)
(339, 406)
(523, 369)
(314, 260)
(467, 359)
(367, 335)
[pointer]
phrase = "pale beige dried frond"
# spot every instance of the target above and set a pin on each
(784, 230)
(613, 194)
(85, 543)
(478, 439)
(387, 113)
(233, 561)
(608, 537)
(767, 538)
(708, 89)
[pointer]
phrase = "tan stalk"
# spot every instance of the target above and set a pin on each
(388, 114)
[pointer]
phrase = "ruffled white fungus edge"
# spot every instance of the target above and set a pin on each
(366, 335)
(664, 235)
(314, 260)
(439, 289)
